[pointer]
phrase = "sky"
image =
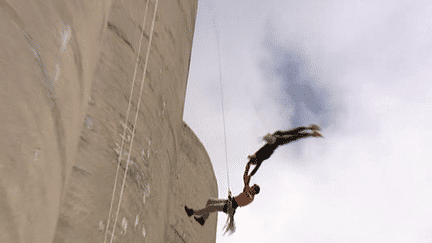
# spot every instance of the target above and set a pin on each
(359, 69)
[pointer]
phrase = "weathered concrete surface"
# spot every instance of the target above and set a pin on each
(67, 71)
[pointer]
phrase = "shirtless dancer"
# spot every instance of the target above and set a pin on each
(228, 206)
(279, 138)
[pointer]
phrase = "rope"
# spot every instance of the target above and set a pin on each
(136, 117)
(222, 97)
(126, 121)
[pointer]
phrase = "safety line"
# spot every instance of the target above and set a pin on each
(136, 118)
(179, 235)
(222, 97)
(126, 122)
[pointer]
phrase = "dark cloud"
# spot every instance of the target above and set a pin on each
(304, 97)
(286, 64)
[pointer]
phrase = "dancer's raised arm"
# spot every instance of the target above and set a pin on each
(246, 177)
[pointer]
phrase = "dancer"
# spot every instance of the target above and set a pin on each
(229, 205)
(277, 139)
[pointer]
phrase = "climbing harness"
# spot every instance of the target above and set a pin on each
(229, 224)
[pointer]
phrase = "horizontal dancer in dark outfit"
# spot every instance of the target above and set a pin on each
(277, 139)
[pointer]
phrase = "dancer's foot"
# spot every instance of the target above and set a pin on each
(315, 127)
(200, 220)
(189, 211)
(317, 134)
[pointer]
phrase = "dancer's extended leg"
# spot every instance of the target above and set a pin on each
(296, 130)
(290, 132)
(205, 212)
(284, 140)
(215, 201)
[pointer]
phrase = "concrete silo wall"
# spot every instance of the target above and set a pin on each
(67, 77)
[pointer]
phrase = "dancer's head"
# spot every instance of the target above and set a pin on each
(256, 189)
(269, 138)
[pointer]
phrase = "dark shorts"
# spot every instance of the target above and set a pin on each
(234, 205)
(265, 152)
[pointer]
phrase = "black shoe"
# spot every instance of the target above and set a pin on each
(200, 220)
(189, 211)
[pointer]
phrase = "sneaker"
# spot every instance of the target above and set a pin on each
(200, 220)
(189, 211)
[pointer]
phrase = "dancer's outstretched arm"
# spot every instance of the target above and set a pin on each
(246, 177)
(290, 132)
(262, 154)
(258, 164)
